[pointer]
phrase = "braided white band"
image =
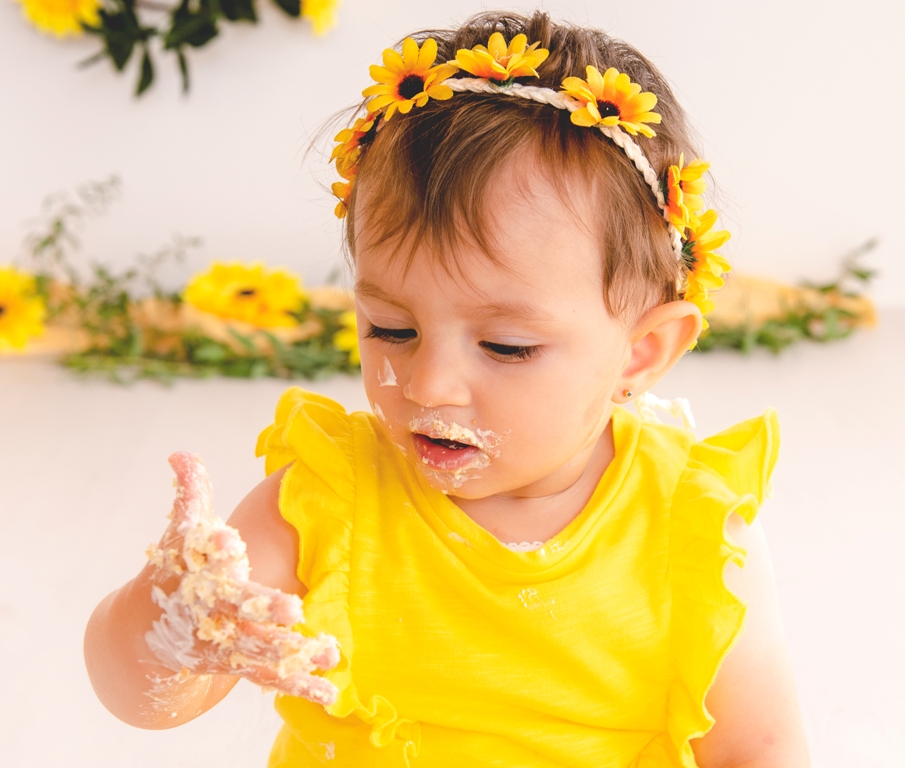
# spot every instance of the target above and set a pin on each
(613, 132)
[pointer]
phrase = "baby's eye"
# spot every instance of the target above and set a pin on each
(510, 353)
(392, 335)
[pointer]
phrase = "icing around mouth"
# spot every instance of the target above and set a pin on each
(432, 425)
(450, 453)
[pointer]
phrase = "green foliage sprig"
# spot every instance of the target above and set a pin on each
(103, 304)
(125, 28)
(803, 321)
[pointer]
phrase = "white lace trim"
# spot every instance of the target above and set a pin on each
(523, 546)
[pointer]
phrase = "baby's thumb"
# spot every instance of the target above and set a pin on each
(193, 491)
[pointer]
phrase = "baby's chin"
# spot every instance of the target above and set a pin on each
(467, 484)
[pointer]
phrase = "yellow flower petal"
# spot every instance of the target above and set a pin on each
(428, 54)
(518, 44)
(584, 117)
(393, 61)
(440, 92)
(410, 53)
(497, 46)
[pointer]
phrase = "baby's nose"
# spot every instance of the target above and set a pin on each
(437, 379)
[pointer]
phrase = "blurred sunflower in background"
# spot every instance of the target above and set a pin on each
(62, 17)
(321, 14)
(346, 339)
(22, 311)
(248, 292)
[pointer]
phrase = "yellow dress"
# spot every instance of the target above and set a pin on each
(595, 650)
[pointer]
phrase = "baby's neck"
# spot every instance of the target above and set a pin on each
(525, 518)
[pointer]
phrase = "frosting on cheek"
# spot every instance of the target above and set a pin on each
(386, 376)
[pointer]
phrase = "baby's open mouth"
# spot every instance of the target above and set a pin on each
(451, 444)
(444, 454)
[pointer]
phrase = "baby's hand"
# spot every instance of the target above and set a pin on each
(217, 621)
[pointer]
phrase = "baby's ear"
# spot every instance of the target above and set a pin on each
(660, 337)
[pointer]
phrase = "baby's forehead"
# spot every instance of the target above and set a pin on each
(520, 280)
(521, 212)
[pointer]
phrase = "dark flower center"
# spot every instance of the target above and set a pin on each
(607, 109)
(246, 293)
(2, 310)
(411, 86)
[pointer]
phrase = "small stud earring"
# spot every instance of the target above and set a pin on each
(627, 393)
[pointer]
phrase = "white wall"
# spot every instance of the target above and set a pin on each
(799, 104)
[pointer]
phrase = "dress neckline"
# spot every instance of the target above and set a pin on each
(482, 551)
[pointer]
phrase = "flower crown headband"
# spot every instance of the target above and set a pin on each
(610, 102)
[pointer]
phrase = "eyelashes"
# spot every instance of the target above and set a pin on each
(393, 335)
(507, 353)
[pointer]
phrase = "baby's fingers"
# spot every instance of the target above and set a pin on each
(266, 605)
(316, 689)
(193, 491)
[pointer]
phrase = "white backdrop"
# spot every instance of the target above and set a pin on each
(797, 103)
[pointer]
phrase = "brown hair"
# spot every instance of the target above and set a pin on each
(428, 173)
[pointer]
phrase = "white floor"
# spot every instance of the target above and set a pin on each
(85, 487)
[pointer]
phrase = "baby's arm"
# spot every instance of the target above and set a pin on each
(173, 642)
(754, 701)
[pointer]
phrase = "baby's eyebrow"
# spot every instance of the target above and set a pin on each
(511, 310)
(498, 310)
(372, 291)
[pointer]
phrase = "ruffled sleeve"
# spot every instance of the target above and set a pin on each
(317, 493)
(729, 472)
(317, 497)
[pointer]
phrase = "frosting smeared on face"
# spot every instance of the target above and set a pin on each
(386, 376)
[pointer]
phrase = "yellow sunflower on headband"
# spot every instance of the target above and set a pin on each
(500, 63)
(705, 266)
(685, 188)
(408, 80)
(612, 99)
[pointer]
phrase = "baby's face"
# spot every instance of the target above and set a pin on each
(501, 383)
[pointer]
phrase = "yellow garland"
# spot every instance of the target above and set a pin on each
(346, 339)
(262, 298)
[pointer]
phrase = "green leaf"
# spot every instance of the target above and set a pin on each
(245, 341)
(147, 73)
(191, 28)
(209, 352)
(121, 31)
(291, 7)
(237, 10)
(183, 69)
